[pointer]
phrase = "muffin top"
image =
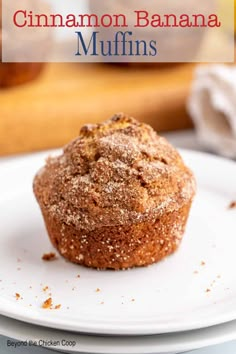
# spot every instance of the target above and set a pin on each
(115, 173)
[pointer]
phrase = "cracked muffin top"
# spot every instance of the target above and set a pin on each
(115, 173)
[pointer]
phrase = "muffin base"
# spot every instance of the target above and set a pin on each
(119, 247)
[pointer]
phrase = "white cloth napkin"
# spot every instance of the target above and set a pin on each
(212, 107)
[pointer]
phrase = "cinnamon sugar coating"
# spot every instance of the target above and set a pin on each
(117, 195)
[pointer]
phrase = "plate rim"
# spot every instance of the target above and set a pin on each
(163, 343)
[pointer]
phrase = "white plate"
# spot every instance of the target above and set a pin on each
(167, 297)
(156, 344)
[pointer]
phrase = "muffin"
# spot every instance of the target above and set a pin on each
(16, 73)
(117, 197)
(13, 74)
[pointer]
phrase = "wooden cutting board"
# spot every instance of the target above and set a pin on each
(49, 112)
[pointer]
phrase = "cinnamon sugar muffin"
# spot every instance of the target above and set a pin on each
(118, 197)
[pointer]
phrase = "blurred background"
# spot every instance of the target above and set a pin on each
(43, 105)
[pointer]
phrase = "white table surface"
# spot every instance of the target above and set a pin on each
(185, 140)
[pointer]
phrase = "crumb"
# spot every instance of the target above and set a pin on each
(78, 276)
(232, 205)
(30, 305)
(17, 295)
(30, 287)
(49, 256)
(36, 297)
(208, 290)
(73, 288)
(195, 272)
(49, 294)
(102, 302)
(98, 290)
(47, 303)
(57, 307)
(18, 268)
(45, 288)
(0, 280)
(67, 308)
(219, 276)
(18, 260)
(133, 300)
(203, 263)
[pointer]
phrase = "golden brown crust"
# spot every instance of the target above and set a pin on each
(118, 178)
(120, 247)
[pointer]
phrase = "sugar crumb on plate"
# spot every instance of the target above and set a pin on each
(17, 296)
(47, 304)
(232, 205)
(51, 256)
